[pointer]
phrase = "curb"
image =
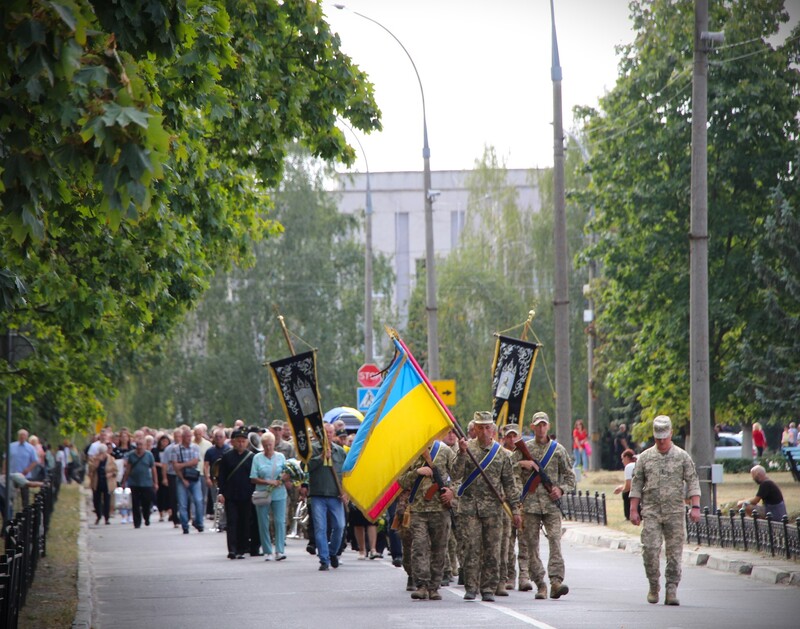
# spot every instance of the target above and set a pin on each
(83, 614)
(763, 569)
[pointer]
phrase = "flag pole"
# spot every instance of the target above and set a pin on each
(456, 426)
(326, 458)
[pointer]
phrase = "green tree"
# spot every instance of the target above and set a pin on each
(312, 273)
(641, 183)
(141, 140)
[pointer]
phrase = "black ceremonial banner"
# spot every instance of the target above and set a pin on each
(512, 368)
(296, 381)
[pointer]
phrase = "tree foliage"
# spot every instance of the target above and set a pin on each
(140, 142)
(641, 190)
(312, 274)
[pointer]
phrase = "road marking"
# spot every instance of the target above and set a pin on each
(509, 612)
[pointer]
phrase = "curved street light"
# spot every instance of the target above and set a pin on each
(430, 269)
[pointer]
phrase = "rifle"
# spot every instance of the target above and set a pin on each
(438, 487)
(546, 481)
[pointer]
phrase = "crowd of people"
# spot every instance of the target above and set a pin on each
(471, 508)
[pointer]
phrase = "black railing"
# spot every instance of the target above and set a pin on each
(582, 507)
(25, 543)
(742, 532)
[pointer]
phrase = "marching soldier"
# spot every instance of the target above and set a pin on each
(508, 566)
(480, 512)
(429, 500)
(540, 509)
(658, 482)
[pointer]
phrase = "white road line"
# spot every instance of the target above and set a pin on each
(509, 612)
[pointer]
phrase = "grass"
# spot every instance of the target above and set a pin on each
(53, 597)
(734, 487)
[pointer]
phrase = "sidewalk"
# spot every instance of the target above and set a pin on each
(757, 566)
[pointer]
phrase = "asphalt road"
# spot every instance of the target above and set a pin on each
(157, 577)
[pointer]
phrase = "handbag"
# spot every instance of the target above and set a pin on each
(588, 448)
(261, 498)
(189, 473)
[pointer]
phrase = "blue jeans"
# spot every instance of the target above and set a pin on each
(276, 508)
(581, 458)
(323, 507)
(196, 492)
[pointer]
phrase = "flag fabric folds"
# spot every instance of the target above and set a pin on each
(405, 416)
(295, 379)
(512, 368)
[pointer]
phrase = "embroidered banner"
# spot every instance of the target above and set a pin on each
(512, 367)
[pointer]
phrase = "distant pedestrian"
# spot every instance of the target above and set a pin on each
(658, 483)
(185, 459)
(102, 471)
(142, 478)
(629, 463)
(579, 441)
(759, 439)
(620, 445)
(234, 493)
(269, 497)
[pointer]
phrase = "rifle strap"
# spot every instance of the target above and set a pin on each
(482, 466)
(418, 481)
(533, 480)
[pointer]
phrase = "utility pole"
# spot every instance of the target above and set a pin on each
(700, 421)
(561, 301)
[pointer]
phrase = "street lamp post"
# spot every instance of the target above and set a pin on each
(561, 300)
(430, 268)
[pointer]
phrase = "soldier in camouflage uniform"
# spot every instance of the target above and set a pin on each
(658, 482)
(430, 519)
(539, 509)
(508, 558)
(479, 511)
(451, 560)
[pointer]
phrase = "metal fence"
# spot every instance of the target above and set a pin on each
(25, 543)
(583, 507)
(740, 531)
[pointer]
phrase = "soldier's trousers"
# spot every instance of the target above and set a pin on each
(511, 555)
(533, 568)
(672, 530)
(481, 537)
(452, 551)
(504, 544)
(429, 533)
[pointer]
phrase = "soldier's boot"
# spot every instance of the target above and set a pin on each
(541, 591)
(434, 595)
(445, 579)
(652, 595)
(410, 587)
(558, 589)
(470, 595)
(525, 585)
(461, 576)
(510, 583)
(420, 594)
(501, 590)
(487, 597)
(671, 597)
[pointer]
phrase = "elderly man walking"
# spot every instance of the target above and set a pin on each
(663, 477)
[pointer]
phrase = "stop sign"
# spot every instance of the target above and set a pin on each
(369, 375)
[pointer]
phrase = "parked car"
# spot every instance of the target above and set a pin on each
(729, 446)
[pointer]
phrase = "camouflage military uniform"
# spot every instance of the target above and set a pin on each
(454, 547)
(658, 480)
(539, 510)
(480, 516)
(430, 522)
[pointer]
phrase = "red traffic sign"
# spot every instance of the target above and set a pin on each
(369, 375)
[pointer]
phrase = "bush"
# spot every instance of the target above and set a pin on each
(735, 466)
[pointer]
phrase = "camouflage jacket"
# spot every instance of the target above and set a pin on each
(444, 461)
(559, 469)
(478, 499)
(658, 480)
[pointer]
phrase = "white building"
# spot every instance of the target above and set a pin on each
(398, 220)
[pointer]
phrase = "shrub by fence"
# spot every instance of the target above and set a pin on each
(739, 531)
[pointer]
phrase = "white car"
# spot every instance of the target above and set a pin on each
(729, 446)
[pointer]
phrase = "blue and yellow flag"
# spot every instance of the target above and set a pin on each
(401, 422)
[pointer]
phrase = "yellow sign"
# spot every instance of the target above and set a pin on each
(446, 390)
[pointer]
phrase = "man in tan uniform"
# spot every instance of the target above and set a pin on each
(658, 482)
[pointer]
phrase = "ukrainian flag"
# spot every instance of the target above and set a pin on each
(403, 419)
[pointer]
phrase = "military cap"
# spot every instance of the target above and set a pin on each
(482, 418)
(540, 417)
(662, 427)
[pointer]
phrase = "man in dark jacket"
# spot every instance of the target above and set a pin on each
(235, 489)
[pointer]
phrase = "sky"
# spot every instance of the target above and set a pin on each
(484, 66)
